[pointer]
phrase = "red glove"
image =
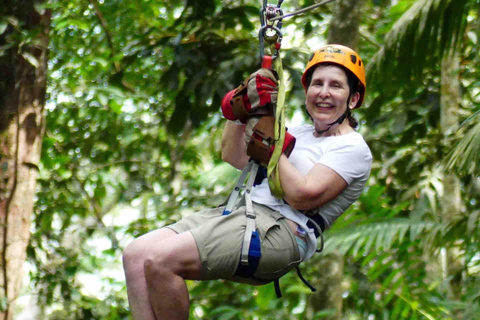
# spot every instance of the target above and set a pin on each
(260, 139)
(257, 96)
(227, 106)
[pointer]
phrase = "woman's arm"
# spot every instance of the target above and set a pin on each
(312, 190)
(234, 150)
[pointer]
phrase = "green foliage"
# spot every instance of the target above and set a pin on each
(388, 255)
(465, 156)
(133, 136)
(428, 26)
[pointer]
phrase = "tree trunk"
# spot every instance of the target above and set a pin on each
(345, 23)
(328, 282)
(344, 29)
(22, 121)
(450, 201)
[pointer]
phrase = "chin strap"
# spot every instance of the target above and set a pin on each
(339, 121)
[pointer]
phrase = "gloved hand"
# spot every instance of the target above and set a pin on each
(257, 96)
(260, 139)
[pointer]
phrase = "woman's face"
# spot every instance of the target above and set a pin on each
(327, 95)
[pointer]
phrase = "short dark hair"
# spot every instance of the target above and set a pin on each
(353, 84)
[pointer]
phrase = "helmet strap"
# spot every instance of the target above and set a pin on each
(339, 120)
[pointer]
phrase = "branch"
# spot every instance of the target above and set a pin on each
(367, 36)
(113, 163)
(177, 154)
(108, 34)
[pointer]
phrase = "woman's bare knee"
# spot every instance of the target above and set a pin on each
(139, 249)
(156, 270)
(162, 262)
(178, 256)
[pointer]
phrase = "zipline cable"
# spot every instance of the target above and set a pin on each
(303, 10)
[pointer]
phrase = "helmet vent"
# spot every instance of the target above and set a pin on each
(353, 58)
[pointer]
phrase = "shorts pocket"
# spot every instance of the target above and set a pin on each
(280, 252)
(274, 265)
(266, 223)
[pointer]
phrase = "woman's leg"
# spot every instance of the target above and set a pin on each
(139, 256)
(134, 257)
(165, 270)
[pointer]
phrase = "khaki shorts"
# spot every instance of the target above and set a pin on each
(219, 241)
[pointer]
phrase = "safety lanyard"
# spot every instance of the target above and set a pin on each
(279, 136)
(270, 32)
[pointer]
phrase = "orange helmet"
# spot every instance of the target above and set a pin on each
(343, 56)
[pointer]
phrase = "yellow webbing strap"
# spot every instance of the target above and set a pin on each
(274, 179)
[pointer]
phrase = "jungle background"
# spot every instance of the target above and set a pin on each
(110, 126)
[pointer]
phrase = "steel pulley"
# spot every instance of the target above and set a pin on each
(271, 17)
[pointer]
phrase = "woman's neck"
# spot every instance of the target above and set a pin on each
(335, 130)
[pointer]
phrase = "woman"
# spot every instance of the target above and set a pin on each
(324, 174)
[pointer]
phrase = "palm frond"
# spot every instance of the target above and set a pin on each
(377, 236)
(464, 158)
(382, 248)
(418, 40)
(391, 254)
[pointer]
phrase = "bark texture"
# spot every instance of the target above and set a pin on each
(328, 283)
(345, 24)
(22, 98)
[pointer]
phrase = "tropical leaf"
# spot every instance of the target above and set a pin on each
(376, 235)
(428, 30)
(110, 170)
(464, 158)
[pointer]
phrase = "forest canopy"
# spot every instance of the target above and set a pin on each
(131, 142)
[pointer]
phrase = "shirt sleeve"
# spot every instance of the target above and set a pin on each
(351, 160)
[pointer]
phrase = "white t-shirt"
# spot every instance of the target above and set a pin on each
(347, 154)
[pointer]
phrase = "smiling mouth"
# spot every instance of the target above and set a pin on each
(324, 105)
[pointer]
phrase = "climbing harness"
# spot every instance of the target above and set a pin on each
(270, 38)
(251, 241)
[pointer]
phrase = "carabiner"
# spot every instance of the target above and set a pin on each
(276, 38)
(268, 12)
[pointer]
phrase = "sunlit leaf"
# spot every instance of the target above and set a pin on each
(31, 59)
